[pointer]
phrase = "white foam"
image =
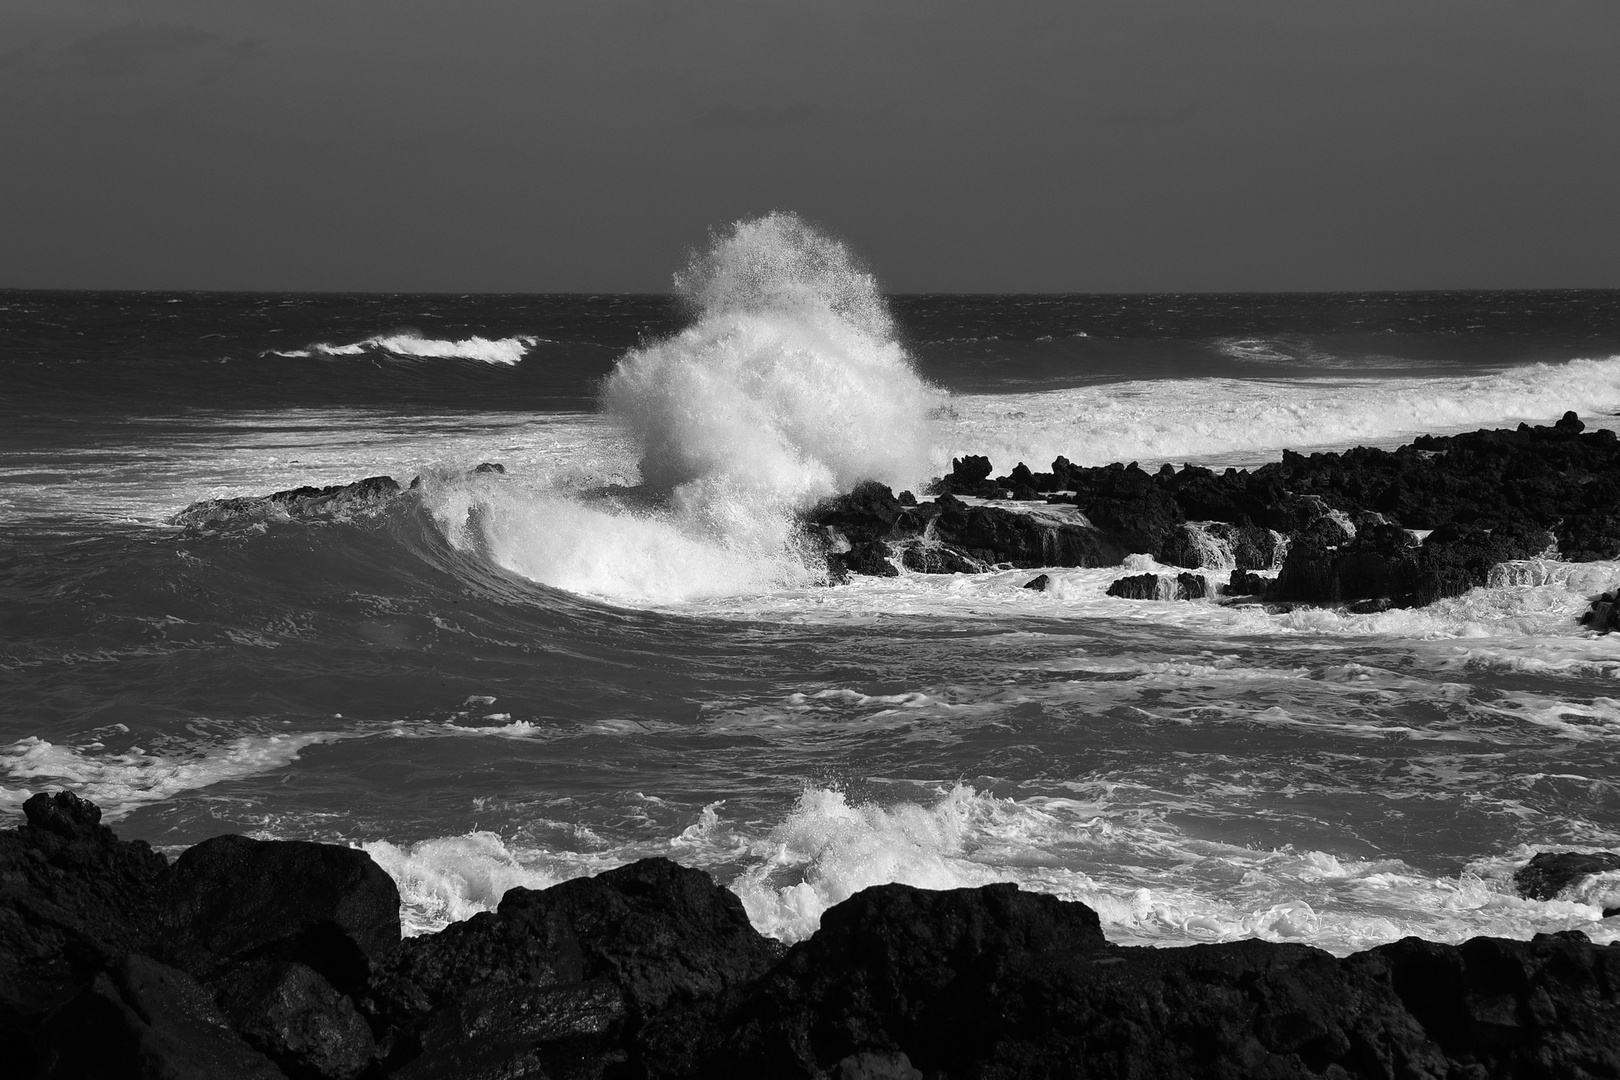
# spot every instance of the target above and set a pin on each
(1249, 421)
(787, 388)
(448, 879)
(504, 351)
(1109, 845)
(122, 782)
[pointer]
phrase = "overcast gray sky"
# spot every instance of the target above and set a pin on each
(584, 145)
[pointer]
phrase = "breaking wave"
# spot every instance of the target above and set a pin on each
(787, 387)
(411, 345)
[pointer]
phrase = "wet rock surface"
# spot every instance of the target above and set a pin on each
(1339, 529)
(306, 503)
(1549, 873)
(118, 963)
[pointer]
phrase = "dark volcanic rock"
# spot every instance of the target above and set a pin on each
(1603, 615)
(566, 972)
(1136, 587)
(870, 558)
(664, 934)
(1247, 583)
(73, 900)
(287, 1011)
(142, 1019)
(306, 502)
(926, 558)
(994, 536)
(1039, 583)
(969, 476)
(1154, 587)
(232, 899)
(996, 983)
(866, 513)
(1550, 873)
(653, 971)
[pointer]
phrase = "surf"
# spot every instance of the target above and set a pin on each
(789, 385)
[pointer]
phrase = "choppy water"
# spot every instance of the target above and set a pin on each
(616, 648)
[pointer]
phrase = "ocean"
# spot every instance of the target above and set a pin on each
(624, 646)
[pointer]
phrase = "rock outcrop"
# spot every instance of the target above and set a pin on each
(304, 503)
(1340, 529)
(262, 959)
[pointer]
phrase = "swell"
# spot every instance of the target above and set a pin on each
(273, 629)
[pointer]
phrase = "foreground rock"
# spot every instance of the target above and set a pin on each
(281, 959)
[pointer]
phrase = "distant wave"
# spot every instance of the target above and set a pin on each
(506, 351)
(1245, 421)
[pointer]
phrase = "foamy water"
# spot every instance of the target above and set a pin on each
(620, 648)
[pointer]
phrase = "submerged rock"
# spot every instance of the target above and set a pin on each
(1550, 873)
(1136, 587)
(307, 503)
(1184, 586)
(1603, 614)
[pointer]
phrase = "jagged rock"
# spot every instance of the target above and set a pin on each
(289, 1013)
(867, 512)
(1136, 587)
(661, 932)
(233, 899)
(994, 536)
(567, 970)
(969, 476)
(1040, 583)
(553, 1033)
(870, 558)
(996, 983)
(142, 1019)
(926, 558)
(654, 971)
(490, 467)
(73, 900)
(304, 503)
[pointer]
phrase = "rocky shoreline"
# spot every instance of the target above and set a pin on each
(1366, 529)
(248, 958)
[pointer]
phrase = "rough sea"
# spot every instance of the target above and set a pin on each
(623, 647)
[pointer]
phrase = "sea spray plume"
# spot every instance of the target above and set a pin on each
(778, 262)
(788, 387)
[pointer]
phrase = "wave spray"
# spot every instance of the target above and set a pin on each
(787, 387)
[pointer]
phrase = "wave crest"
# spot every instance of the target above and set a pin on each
(788, 387)
(410, 345)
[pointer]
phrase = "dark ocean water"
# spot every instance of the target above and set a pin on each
(512, 679)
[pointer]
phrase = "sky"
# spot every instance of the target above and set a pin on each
(1006, 146)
